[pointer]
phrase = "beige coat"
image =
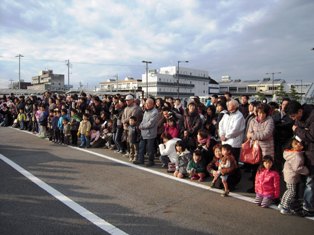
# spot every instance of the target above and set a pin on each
(264, 133)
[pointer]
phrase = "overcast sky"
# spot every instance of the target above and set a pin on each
(241, 38)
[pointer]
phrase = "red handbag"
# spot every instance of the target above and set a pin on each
(251, 152)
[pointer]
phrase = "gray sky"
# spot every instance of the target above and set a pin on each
(241, 38)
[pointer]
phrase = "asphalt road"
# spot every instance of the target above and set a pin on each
(116, 197)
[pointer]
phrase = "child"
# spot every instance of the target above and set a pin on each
(66, 131)
(224, 164)
(267, 183)
(54, 126)
(74, 122)
(21, 119)
(106, 133)
(134, 135)
(184, 156)
(195, 167)
(84, 131)
(292, 170)
(171, 127)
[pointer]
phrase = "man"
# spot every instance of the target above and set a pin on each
(283, 132)
(231, 128)
(228, 95)
(244, 106)
(148, 129)
(132, 109)
(304, 129)
(214, 100)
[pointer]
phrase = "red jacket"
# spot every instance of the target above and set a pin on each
(267, 183)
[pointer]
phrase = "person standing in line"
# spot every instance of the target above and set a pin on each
(292, 171)
(148, 129)
(231, 128)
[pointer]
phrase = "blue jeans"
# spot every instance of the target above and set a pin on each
(309, 193)
(84, 141)
(147, 146)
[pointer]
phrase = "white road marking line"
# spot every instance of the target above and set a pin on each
(99, 222)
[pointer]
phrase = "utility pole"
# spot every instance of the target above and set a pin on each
(146, 62)
(178, 71)
(68, 64)
(19, 55)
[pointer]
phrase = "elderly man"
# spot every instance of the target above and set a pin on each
(231, 128)
(304, 129)
(148, 129)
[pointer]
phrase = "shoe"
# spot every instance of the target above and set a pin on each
(137, 162)
(303, 213)
(225, 194)
(201, 180)
(127, 155)
(149, 164)
(285, 211)
(117, 151)
(280, 206)
(194, 178)
(211, 185)
(164, 166)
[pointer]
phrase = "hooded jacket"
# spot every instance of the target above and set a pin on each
(267, 183)
(294, 166)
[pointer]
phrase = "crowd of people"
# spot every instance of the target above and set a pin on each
(192, 141)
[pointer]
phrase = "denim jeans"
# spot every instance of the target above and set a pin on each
(309, 193)
(117, 139)
(147, 146)
(84, 141)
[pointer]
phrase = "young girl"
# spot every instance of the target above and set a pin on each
(267, 183)
(292, 170)
(224, 168)
(196, 168)
(184, 156)
(171, 127)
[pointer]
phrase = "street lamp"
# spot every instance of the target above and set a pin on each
(146, 62)
(273, 74)
(178, 85)
(19, 55)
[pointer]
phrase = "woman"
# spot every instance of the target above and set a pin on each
(261, 129)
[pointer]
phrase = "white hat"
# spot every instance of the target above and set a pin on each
(129, 97)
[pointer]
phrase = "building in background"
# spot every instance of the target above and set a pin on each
(48, 81)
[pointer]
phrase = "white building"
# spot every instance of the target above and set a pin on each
(184, 83)
(128, 85)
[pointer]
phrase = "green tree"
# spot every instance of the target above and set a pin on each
(260, 96)
(280, 93)
(293, 94)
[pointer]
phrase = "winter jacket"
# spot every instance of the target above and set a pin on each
(267, 183)
(197, 166)
(264, 133)
(173, 131)
(84, 127)
(232, 126)
(169, 149)
(149, 124)
(294, 166)
(129, 111)
(192, 123)
(183, 160)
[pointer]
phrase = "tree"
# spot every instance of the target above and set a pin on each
(293, 94)
(260, 95)
(281, 93)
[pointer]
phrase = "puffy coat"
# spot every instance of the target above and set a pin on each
(267, 183)
(294, 166)
(264, 133)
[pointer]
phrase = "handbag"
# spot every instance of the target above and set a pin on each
(251, 152)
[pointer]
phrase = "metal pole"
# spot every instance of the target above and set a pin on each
(146, 62)
(273, 75)
(19, 55)
(178, 70)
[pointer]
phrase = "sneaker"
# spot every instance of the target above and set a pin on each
(280, 206)
(194, 178)
(285, 211)
(225, 193)
(303, 213)
(211, 185)
(164, 166)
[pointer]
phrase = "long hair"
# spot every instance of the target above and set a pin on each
(267, 158)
